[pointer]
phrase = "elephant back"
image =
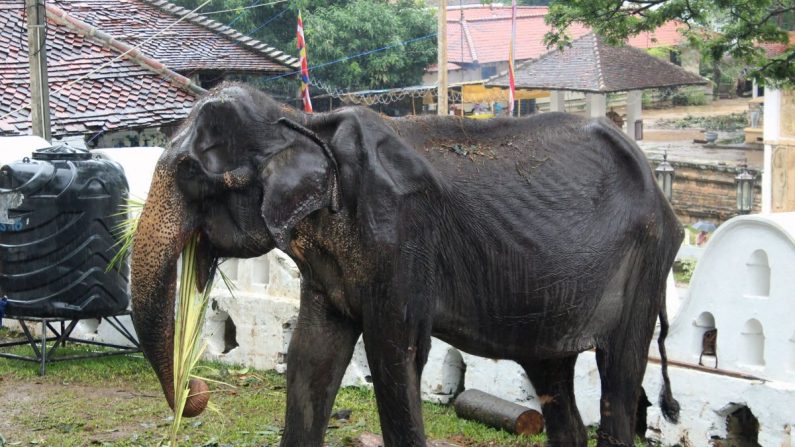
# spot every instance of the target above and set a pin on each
(59, 213)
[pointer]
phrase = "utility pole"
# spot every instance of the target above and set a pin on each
(37, 53)
(441, 38)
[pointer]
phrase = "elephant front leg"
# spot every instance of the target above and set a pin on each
(397, 350)
(320, 350)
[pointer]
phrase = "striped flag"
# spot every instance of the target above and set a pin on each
(511, 76)
(304, 66)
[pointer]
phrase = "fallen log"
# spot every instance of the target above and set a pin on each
(499, 413)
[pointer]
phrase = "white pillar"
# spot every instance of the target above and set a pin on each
(771, 132)
(595, 105)
(557, 101)
(754, 89)
(634, 111)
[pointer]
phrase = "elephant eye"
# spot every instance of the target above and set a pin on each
(214, 158)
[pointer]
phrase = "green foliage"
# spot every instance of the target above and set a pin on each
(683, 269)
(717, 28)
(689, 96)
(125, 230)
(338, 31)
(732, 122)
(335, 29)
(663, 53)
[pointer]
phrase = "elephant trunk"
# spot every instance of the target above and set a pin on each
(163, 230)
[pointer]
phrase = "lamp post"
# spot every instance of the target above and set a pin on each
(745, 191)
(665, 177)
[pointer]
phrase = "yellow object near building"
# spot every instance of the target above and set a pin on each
(480, 93)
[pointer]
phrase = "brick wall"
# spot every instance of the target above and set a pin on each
(708, 192)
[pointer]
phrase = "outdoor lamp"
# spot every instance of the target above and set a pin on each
(665, 177)
(745, 191)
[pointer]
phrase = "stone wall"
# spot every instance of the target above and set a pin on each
(783, 157)
(707, 192)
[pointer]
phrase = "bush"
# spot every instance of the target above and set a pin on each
(689, 97)
(683, 269)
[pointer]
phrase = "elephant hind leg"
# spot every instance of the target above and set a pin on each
(621, 360)
(553, 380)
(621, 374)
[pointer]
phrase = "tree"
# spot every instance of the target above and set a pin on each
(360, 26)
(719, 28)
(338, 29)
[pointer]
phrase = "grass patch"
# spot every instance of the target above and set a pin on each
(117, 401)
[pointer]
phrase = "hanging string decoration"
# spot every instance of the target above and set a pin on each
(304, 66)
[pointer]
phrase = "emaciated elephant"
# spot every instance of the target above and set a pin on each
(527, 239)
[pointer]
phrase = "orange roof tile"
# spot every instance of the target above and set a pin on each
(483, 36)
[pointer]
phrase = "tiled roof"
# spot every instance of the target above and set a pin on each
(484, 34)
(666, 35)
(775, 49)
(196, 43)
(477, 12)
(130, 93)
(591, 65)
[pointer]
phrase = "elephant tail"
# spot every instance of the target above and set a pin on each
(669, 405)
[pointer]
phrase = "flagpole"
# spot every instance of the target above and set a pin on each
(511, 74)
(301, 44)
(441, 38)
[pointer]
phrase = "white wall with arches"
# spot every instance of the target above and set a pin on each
(744, 286)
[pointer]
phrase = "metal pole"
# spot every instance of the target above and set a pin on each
(43, 365)
(441, 38)
(37, 54)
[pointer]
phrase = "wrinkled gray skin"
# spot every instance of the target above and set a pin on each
(549, 237)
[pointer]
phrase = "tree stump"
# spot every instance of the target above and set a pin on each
(499, 413)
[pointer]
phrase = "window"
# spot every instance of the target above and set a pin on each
(487, 71)
(702, 327)
(752, 343)
(758, 270)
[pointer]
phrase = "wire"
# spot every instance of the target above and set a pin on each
(240, 15)
(355, 56)
(241, 9)
(71, 83)
(267, 22)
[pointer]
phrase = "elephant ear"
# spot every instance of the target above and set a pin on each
(393, 177)
(296, 182)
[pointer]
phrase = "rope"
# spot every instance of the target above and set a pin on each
(71, 83)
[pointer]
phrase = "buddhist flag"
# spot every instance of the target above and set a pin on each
(304, 66)
(511, 77)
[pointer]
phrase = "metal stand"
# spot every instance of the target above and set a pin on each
(62, 335)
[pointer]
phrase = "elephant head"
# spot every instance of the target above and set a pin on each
(239, 154)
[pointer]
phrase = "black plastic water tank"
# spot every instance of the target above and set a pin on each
(58, 219)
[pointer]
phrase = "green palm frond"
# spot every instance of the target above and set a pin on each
(125, 230)
(187, 330)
